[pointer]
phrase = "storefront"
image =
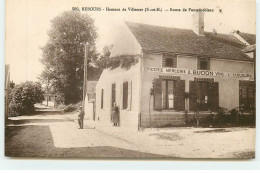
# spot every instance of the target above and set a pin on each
(178, 73)
(178, 90)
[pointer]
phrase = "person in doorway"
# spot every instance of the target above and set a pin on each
(81, 117)
(115, 115)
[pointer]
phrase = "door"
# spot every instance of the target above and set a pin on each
(203, 95)
(206, 93)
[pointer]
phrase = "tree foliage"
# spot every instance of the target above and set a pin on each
(24, 96)
(123, 61)
(63, 55)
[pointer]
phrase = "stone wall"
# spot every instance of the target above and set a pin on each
(162, 119)
(169, 119)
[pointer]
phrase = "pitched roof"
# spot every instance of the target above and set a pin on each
(250, 48)
(250, 38)
(186, 41)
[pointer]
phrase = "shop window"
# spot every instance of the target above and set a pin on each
(203, 64)
(169, 61)
(169, 94)
(102, 98)
(125, 95)
(246, 95)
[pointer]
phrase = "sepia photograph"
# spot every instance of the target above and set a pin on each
(142, 80)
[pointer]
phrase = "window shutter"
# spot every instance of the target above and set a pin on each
(176, 95)
(173, 57)
(198, 63)
(129, 102)
(180, 95)
(247, 94)
(213, 96)
(121, 96)
(175, 61)
(193, 96)
(157, 94)
(208, 67)
(102, 98)
(125, 95)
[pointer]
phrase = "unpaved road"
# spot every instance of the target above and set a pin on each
(56, 135)
(36, 136)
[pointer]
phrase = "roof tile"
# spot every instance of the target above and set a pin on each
(185, 41)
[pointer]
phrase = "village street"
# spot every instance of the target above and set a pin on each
(56, 134)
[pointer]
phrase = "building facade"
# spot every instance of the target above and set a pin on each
(90, 100)
(49, 100)
(179, 72)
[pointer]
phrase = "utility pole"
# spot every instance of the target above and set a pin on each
(85, 75)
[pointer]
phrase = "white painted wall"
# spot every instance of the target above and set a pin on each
(231, 66)
(128, 118)
(125, 43)
(88, 107)
(229, 87)
(50, 103)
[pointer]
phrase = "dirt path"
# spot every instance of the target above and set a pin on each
(57, 135)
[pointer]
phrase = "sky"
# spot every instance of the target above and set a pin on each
(28, 21)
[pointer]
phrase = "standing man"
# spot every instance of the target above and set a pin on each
(81, 117)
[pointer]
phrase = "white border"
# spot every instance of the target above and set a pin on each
(18, 164)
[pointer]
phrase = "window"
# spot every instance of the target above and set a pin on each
(169, 61)
(102, 98)
(125, 95)
(247, 95)
(203, 64)
(169, 94)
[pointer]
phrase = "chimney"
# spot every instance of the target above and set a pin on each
(198, 23)
(236, 34)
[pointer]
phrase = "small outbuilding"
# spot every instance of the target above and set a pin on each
(90, 100)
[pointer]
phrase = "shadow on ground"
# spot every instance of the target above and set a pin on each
(26, 121)
(36, 141)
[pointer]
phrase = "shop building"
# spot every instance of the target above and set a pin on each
(179, 71)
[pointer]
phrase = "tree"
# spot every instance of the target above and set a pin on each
(24, 96)
(103, 59)
(63, 55)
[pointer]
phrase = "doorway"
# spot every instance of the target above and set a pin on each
(204, 96)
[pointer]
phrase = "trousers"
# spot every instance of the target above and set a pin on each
(80, 121)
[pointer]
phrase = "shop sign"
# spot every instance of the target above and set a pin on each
(204, 73)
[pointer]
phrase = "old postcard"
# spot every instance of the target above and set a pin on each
(132, 79)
